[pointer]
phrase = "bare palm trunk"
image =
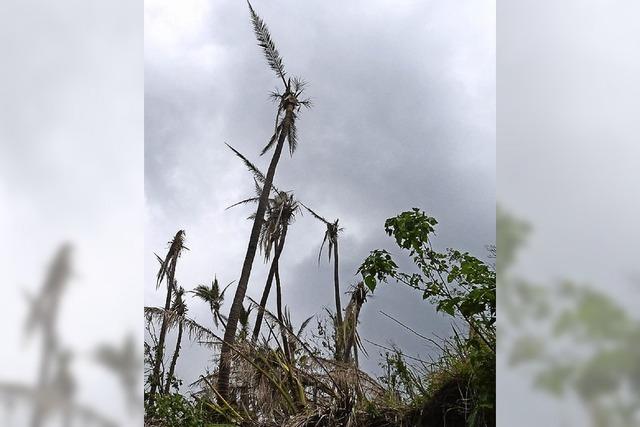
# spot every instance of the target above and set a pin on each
(267, 286)
(174, 360)
(156, 378)
(339, 321)
(279, 312)
(232, 322)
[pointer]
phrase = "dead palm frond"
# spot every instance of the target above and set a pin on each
(168, 264)
(351, 319)
(331, 235)
(196, 332)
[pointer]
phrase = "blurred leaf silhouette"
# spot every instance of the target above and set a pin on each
(576, 339)
(53, 396)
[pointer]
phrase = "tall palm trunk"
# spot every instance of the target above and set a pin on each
(267, 286)
(156, 379)
(339, 322)
(174, 360)
(232, 322)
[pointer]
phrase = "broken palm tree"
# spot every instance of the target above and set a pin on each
(281, 212)
(180, 310)
(331, 236)
(167, 273)
(289, 103)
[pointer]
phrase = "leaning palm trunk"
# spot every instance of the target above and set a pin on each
(267, 286)
(236, 307)
(174, 360)
(285, 129)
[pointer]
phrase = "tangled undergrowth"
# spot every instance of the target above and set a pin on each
(294, 378)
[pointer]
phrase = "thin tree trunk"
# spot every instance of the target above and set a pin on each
(224, 369)
(156, 380)
(285, 341)
(339, 321)
(267, 286)
(221, 320)
(174, 360)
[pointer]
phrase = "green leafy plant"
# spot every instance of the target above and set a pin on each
(460, 285)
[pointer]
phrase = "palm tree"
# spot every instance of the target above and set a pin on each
(167, 272)
(351, 318)
(289, 103)
(281, 211)
(213, 297)
(331, 236)
(281, 214)
(180, 309)
(177, 317)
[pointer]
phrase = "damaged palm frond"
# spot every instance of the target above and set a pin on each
(168, 264)
(195, 331)
(331, 236)
(266, 43)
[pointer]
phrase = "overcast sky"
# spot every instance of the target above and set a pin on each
(403, 116)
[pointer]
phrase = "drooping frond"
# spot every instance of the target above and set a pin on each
(292, 137)
(244, 202)
(266, 43)
(194, 329)
(273, 139)
(170, 260)
(326, 234)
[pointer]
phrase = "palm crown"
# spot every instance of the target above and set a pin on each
(290, 98)
(212, 296)
(331, 235)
